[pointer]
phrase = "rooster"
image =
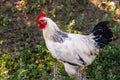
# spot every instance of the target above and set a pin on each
(75, 51)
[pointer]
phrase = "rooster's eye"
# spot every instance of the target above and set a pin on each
(43, 22)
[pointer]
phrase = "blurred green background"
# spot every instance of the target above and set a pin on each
(23, 54)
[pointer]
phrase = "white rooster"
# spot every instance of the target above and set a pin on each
(74, 50)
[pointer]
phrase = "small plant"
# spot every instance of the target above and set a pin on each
(5, 21)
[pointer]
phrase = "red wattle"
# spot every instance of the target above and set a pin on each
(41, 26)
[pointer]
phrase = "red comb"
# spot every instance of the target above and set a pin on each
(40, 16)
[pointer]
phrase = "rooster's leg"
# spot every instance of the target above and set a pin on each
(55, 72)
(78, 75)
(83, 75)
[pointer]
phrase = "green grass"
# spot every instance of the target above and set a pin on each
(23, 54)
(105, 66)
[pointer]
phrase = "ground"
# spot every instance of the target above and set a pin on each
(19, 32)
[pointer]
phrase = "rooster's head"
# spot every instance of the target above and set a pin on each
(41, 22)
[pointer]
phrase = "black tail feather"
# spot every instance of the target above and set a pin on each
(103, 35)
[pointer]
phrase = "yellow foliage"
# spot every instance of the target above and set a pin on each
(70, 25)
(111, 6)
(20, 5)
(1, 41)
(3, 69)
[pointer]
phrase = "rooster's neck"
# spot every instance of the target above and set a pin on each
(49, 31)
(54, 34)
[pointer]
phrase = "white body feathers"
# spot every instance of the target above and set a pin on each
(70, 49)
